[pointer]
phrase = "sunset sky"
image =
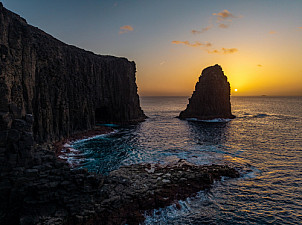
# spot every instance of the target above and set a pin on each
(257, 43)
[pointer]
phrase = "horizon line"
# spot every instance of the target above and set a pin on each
(230, 95)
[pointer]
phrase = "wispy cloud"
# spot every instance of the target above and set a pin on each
(202, 30)
(222, 25)
(300, 27)
(229, 50)
(125, 29)
(162, 63)
(223, 51)
(259, 65)
(206, 46)
(224, 15)
(223, 20)
(195, 44)
(273, 32)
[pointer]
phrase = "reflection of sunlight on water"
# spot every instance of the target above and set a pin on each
(235, 160)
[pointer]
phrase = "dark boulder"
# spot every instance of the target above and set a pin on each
(211, 98)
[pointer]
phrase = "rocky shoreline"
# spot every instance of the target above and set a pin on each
(49, 192)
(132, 190)
(98, 130)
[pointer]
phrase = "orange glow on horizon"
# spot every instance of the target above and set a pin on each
(271, 75)
(263, 64)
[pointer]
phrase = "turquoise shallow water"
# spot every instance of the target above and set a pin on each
(265, 138)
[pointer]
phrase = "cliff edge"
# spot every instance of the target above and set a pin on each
(64, 88)
(211, 98)
(49, 91)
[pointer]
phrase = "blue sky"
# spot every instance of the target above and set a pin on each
(158, 36)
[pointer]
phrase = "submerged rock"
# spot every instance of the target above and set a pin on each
(211, 98)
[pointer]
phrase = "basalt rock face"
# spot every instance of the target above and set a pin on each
(211, 98)
(49, 91)
(65, 88)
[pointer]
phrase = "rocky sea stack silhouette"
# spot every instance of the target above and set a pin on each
(211, 98)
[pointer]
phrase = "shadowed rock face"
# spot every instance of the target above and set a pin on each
(53, 194)
(133, 189)
(65, 88)
(211, 98)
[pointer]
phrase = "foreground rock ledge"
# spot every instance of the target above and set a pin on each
(133, 189)
(51, 193)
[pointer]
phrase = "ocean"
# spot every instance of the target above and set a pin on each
(265, 139)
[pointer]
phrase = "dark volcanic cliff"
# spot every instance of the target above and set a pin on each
(211, 98)
(49, 91)
(65, 88)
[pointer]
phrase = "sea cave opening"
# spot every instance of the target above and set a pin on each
(102, 114)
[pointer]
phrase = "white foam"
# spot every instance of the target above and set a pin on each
(66, 145)
(93, 137)
(73, 150)
(192, 119)
(216, 120)
(63, 157)
(152, 169)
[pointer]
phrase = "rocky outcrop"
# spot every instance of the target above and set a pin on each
(55, 195)
(132, 190)
(211, 98)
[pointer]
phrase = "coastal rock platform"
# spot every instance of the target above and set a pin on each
(133, 189)
(50, 192)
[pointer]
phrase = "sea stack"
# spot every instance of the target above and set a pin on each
(211, 98)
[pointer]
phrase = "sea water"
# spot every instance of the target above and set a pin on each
(265, 139)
